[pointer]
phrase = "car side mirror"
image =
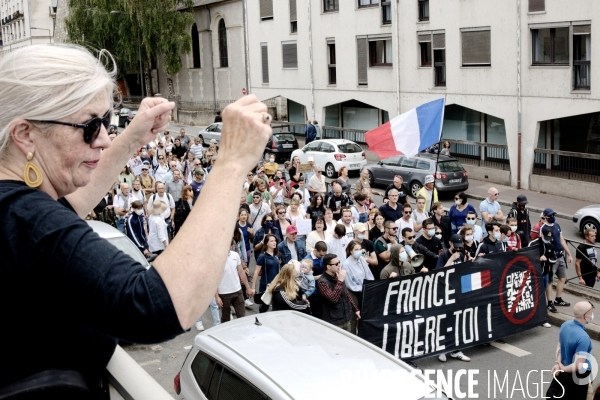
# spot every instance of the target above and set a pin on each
(379, 162)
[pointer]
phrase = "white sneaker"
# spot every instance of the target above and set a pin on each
(546, 325)
(442, 357)
(231, 316)
(199, 326)
(460, 356)
(232, 311)
(248, 303)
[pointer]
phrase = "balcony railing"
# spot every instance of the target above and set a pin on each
(480, 154)
(567, 165)
(581, 75)
(356, 135)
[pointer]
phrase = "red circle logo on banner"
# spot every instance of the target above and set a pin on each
(529, 272)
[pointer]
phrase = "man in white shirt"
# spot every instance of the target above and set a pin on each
(229, 292)
(346, 220)
(166, 198)
(419, 215)
(122, 206)
(137, 191)
(258, 209)
(197, 148)
(337, 242)
(304, 192)
(158, 237)
(406, 221)
(278, 191)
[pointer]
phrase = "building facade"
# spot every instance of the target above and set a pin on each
(521, 78)
(26, 22)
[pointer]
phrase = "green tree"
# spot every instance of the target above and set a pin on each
(164, 27)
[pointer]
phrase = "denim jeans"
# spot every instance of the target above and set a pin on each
(214, 311)
(121, 225)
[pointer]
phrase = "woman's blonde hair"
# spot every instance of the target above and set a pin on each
(51, 82)
(286, 278)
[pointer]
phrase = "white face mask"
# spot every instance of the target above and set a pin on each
(361, 237)
(439, 236)
(470, 222)
(271, 159)
(431, 232)
(513, 228)
(591, 318)
(403, 256)
(497, 236)
(469, 238)
(139, 212)
(458, 202)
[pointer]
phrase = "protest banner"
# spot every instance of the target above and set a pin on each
(304, 168)
(456, 307)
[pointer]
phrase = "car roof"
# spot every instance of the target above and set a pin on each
(287, 346)
(335, 141)
(103, 229)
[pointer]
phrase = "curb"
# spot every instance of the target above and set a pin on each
(509, 204)
(582, 291)
(558, 318)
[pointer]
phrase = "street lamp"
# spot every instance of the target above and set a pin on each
(139, 52)
(44, 29)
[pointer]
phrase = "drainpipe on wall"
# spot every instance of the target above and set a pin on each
(245, 22)
(212, 59)
(312, 83)
(518, 94)
(397, 34)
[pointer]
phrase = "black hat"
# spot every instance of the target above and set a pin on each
(456, 241)
(521, 198)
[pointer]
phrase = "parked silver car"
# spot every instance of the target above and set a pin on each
(213, 131)
(450, 175)
(274, 356)
(120, 241)
(587, 218)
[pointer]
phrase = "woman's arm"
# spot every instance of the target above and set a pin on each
(153, 117)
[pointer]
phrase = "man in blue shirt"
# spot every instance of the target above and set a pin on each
(490, 210)
(572, 369)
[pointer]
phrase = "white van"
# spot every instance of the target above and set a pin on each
(290, 355)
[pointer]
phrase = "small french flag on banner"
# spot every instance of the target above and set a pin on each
(475, 281)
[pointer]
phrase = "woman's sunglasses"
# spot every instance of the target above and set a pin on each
(91, 129)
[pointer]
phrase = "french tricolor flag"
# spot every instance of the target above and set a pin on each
(475, 281)
(408, 133)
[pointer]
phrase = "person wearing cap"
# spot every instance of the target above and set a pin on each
(360, 235)
(454, 254)
(490, 209)
(290, 248)
(270, 166)
(198, 183)
(428, 191)
(520, 211)
(147, 181)
(158, 237)
(311, 173)
(560, 267)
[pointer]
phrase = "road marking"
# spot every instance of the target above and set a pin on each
(150, 362)
(187, 347)
(509, 348)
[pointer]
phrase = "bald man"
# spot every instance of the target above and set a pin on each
(573, 366)
(122, 206)
(490, 209)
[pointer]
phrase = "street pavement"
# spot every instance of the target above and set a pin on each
(520, 361)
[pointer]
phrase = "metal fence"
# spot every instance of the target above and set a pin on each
(567, 165)
(480, 153)
(294, 127)
(356, 135)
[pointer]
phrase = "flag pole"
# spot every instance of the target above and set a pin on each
(437, 161)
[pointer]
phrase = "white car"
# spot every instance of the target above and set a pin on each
(286, 355)
(213, 131)
(333, 154)
(587, 218)
(120, 241)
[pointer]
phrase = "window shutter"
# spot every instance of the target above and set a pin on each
(424, 37)
(537, 5)
(582, 29)
(290, 55)
(476, 47)
(266, 8)
(362, 57)
(439, 40)
(265, 63)
(293, 11)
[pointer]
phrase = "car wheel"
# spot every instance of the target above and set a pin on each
(415, 186)
(371, 179)
(329, 171)
(590, 223)
(201, 140)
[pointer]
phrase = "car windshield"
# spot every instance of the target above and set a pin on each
(350, 148)
(124, 244)
(285, 137)
(450, 166)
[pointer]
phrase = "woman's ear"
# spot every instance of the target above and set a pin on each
(20, 130)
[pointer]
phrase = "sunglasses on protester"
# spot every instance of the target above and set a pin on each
(91, 129)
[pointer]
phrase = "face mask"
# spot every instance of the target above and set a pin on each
(546, 240)
(505, 239)
(513, 228)
(458, 202)
(497, 236)
(361, 237)
(431, 232)
(271, 160)
(470, 222)
(403, 256)
(439, 236)
(551, 219)
(139, 212)
(469, 238)
(357, 254)
(591, 318)
(269, 224)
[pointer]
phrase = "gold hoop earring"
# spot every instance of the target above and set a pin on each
(32, 168)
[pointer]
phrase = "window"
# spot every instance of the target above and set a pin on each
(380, 53)
(266, 9)
(367, 3)
(550, 46)
(424, 165)
(331, 64)
(293, 17)
(408, 162)
(476, 47)
(537, 5)
(224, 62)
(439, 58)
(581, 56)
(331, 5)
(290, 54)
(327, 148)
(233, 387)
(348, 148)
(362, 60)
(195, 47)
(425, 48)
(313, 146)
(393, 161)
(423, 10)
(202, 368)
(265, 62)
(386, 12)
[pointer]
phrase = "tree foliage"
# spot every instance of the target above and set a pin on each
(164, 27)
